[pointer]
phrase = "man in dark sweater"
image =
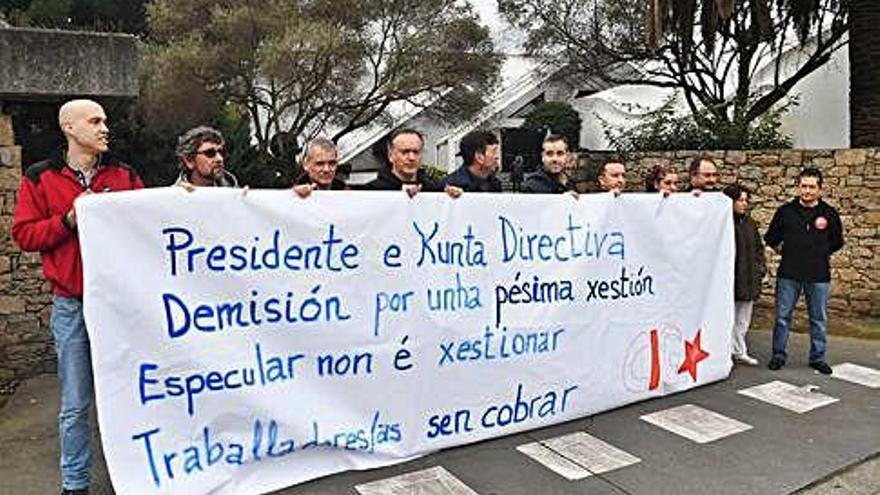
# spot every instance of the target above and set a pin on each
(806, 231)
(319, 163)
(405, 170)
(551, 178)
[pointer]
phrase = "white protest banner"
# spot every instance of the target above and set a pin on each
(243, 343)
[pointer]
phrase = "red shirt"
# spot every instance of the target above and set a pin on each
(45, 195)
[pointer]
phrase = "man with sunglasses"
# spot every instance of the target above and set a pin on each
(202, 154)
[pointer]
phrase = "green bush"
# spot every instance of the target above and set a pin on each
(664, 129)
(558, 118)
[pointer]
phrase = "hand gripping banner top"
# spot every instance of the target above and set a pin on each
(244, 343)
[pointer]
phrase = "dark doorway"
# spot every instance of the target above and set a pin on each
(36, 129)
(525, 143)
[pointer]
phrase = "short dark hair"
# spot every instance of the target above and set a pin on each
(609, 160)
(475, 142)
(694, 168)
(656, 174)
(811, 172)
(734, 191)
(553, 138)
(402, 131)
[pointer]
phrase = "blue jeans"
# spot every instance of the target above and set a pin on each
(816, 294)
(77, 389)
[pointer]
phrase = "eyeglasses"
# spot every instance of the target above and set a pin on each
(329, 164)
(212, 152)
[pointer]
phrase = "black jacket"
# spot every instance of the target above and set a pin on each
(469, 182)
(386, 181)
(541, 182)
(809, 236)
(749, 267)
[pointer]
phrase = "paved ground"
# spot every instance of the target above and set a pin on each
(833, 449)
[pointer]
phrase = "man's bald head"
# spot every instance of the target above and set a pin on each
(72, 108)
(84, 124)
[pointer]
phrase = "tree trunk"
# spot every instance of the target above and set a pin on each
(864, 67)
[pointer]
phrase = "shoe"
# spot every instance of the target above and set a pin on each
(821, 367)
(745, 359)
(80, 491)
(776, 363)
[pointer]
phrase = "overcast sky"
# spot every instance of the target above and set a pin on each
(506, 38)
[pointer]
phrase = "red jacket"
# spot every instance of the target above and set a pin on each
(45, 195)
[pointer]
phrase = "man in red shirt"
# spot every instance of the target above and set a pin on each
(45, 221)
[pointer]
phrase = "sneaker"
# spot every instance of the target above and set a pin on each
(745, 359)
(80, 491)
(776, 363)
(821, 367)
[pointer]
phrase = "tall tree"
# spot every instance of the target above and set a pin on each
(300, 67)
(864, 68)
(709, 50)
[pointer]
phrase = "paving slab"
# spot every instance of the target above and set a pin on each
(431, 481)
(861, 375)
(578, 455)
(696, 423)
(787, 396)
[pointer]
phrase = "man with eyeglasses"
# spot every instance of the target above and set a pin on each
(45, 222)
(703, 174)
(319, 163)
(202, 159)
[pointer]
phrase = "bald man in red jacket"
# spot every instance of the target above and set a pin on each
(45, 221)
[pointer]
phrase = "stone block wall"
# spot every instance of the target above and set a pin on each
(61, 64)
(25, 339)
(851, 184)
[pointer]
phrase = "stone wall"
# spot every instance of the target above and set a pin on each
(39, 63)
(25, 340)
(851, 184)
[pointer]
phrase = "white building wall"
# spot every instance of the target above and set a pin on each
(821, 119)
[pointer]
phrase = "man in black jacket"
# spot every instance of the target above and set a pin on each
(551, 178)
(405, 170)
(319, 163)
(479, 152)
(806, 231)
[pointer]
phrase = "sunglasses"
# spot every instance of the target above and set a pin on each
(212, 152)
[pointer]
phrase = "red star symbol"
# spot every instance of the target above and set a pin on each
(692, 355)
